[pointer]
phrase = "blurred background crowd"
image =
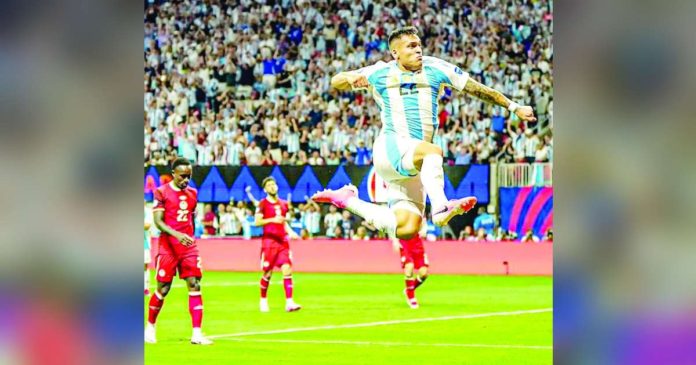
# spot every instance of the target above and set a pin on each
(247, 83)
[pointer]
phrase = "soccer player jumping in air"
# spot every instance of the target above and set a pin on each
(173, 209)
(406, 90)
(275, 248)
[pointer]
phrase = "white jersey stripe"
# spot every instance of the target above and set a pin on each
(425, 105)
(396, 102)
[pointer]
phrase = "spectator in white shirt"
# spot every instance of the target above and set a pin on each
(331, 220)
(312, 218)
(253, 154)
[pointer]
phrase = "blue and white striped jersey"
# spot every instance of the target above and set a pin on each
(408, 100)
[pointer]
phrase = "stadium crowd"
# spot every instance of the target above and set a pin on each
(247, 82)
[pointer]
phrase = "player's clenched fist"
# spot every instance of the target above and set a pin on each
(357, 81)
(525, 113)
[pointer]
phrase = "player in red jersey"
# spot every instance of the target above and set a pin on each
(413, 256)
(275, 248)
(173, 210)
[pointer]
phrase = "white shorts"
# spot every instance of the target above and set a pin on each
(148, 258)
(404, 187)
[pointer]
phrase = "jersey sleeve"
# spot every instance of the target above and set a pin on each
(369, 71)
(452, 75)
(158, 202)
(259, 207)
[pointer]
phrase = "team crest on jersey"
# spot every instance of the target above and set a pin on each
(183, 204)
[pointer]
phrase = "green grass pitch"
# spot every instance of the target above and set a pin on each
(361, 319)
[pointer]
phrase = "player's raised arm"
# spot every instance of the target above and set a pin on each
(493, 96)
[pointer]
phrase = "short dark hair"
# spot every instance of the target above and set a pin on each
(180, 161)
(397, 33)
(265, 180)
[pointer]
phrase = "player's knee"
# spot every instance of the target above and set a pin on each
(163, 289)
(193, 285)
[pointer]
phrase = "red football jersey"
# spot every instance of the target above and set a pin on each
(268, 209)
(178, 206)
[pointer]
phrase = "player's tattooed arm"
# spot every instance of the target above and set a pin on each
(486, 93)
(493, 96)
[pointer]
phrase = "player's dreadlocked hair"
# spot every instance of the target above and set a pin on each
(180, 161)
(265, 180)
(397, 33)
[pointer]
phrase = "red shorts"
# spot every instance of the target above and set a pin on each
(275, 255)
(416, 257)
(168, 265)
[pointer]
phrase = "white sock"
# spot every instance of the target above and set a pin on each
(147, 279)
(379, 216)
(197, 332)
(432, 177)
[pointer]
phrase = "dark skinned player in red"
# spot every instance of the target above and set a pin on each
(173, 210)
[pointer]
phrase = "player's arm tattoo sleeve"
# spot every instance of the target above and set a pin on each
(486, 93)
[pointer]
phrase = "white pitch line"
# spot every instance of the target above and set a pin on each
(343, 342)
(385, 323)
